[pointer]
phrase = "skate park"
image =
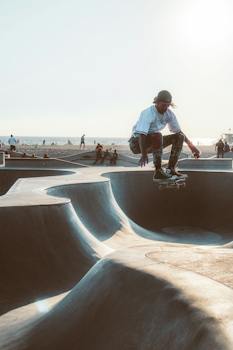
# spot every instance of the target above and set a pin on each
(99, 258)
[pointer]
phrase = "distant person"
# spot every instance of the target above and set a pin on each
(43, 142)
(226, 147)
(69, 142)
(82, 142)
(12, 142)
(220, 148)
(98, 153)
(149, 139)
(114, 158)
(46, 155)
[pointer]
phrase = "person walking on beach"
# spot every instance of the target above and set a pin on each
(12, 142)
(220, 148)
(82, 142)
(147, 131)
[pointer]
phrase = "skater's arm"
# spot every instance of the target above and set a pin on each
(142, 144)
(196, 153)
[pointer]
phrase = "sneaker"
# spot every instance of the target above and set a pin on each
(173, 171)
(161, 175)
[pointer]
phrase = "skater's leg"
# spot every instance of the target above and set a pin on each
(156, 141)
(176, 140)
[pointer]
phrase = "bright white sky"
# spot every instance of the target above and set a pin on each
(70, 67)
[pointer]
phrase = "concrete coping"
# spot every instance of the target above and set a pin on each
(205, 163)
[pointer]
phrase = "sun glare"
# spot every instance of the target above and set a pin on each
(206, 24)
(42, 306)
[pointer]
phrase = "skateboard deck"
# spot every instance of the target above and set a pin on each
(175, 182)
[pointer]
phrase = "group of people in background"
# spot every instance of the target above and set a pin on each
(102, 155)
(222, 147)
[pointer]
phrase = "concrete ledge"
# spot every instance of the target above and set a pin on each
(206, 163)
(53, 163)
(228, 155)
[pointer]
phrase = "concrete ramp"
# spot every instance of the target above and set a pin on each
(141, 268)
(128, 301)
(195, 214)
(9, 176)
(44, 251)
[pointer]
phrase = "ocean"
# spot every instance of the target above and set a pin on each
(38, 140)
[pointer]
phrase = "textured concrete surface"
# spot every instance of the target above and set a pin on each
(99, 258)
(206, 163)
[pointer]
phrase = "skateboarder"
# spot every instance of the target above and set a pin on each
(151, 121)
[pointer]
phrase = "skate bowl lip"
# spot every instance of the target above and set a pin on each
(41, 184)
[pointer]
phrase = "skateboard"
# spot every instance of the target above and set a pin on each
(174, 182)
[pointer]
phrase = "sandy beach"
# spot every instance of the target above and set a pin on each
(60, 151)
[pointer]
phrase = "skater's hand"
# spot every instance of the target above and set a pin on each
(196, 153)
(143, 160)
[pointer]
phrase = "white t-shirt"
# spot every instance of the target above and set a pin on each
(151, 121)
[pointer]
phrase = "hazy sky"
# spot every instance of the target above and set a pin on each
(70, 67)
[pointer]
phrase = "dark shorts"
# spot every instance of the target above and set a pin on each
(157, 141)
(12, 147)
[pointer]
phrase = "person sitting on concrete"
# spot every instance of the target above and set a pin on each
(226, 147)
(220, 148)
(114, 158)
(12, 142)
(98, 152)
(105, 155)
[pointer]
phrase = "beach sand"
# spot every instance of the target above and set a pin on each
(60, 151)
